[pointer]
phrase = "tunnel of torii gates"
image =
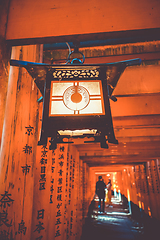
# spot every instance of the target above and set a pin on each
(45, 194)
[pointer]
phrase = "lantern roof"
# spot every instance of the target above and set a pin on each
(38, 71)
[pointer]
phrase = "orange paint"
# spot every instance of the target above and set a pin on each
(70, 17)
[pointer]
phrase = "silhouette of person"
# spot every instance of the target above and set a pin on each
(109, 188)
(100, 191)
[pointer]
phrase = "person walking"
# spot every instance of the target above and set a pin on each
(109, 188)
(100, 191)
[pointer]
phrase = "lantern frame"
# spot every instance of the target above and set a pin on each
(108, 74)
(52, 124)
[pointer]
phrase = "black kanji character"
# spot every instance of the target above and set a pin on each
(3, 219)
(59, 181)
(43, 161)
(59, 205)
(60, 172)
(43, 169)
(43, 178)
(59, 197)
(40, 214)
(6, 200)
(61, 149)
(42, 186)
(51, 189)
(22, 228)
(58, 213)
(51, 201)
(27, 149)
(39, 227)
(58, 221)
(61, 163)
(57, 233)
(29, 130)
(53, 161)
(25, 169)
(44, 151)
(71, 226)
(59, 189)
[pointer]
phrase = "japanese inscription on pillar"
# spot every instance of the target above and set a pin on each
(5, 203)
(155, 177)
(40, 225)
(52, 177)
(60, 191)
(43, 163)
(150, 179)
(27, 149)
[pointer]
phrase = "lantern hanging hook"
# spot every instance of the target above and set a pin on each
(75, 60)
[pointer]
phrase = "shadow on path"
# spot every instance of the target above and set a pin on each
(117, 223)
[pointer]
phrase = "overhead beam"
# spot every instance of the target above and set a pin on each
(128, 36)
(123, 159)
(40, 21)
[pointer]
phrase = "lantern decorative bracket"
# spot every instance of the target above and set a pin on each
(76, 100)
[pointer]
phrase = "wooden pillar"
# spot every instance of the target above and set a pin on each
(158, 167)
(5, 51)
(4, 73)
(133, 186)
(74, 194)
(78, 226)
(145, 189)
(81, 190)
(153, 200)
(18, 150)
(139, 186)
(50, 195)
(156, 183)
(124, 192)
(86, 189)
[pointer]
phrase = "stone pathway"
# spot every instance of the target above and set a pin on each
(115, 224)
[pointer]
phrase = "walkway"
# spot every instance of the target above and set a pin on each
(117, 223)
